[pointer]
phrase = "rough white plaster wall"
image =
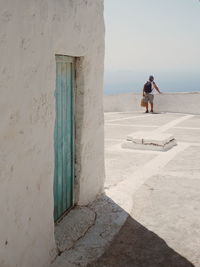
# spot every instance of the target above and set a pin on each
(31, 33)
(89, 128)
(166, 102)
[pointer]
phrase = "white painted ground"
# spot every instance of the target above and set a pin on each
(116, 133)
(124, 181)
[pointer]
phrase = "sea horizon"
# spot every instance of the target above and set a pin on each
(120, 81)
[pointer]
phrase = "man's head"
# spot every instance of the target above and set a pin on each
(151, 78)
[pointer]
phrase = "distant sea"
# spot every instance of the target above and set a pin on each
(121, 81)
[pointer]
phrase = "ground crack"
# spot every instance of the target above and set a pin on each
(60, 251)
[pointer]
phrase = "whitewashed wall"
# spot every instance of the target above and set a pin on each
(31, 33)
(166, 102)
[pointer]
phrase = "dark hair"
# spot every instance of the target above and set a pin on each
(151, 78)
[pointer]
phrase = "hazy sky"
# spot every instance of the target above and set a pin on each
(152, 35)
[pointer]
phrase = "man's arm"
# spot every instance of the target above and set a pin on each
(156, 87)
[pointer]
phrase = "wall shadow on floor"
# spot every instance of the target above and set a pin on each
(136, 246)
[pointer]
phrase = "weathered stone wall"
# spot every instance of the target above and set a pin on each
(166, 102)
(31, 33)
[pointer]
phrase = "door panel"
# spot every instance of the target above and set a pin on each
(64, 136)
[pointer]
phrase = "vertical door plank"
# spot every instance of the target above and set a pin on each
(69, 133)
(64, 122)
(60, 139)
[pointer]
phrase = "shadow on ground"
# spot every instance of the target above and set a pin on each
(115, 239)
(136, 246)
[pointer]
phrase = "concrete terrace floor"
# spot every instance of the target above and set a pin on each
(166, 204)
(150, 213)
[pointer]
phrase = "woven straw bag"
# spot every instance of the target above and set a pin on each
(142, 104)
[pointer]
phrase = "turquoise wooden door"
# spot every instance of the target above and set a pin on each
(64, 136)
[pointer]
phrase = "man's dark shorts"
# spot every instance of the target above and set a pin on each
(148, 98)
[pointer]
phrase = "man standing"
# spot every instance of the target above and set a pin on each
(148, 93)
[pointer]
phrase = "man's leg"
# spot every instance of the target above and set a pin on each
(151, 107)
(151, 102)
(147, 109)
